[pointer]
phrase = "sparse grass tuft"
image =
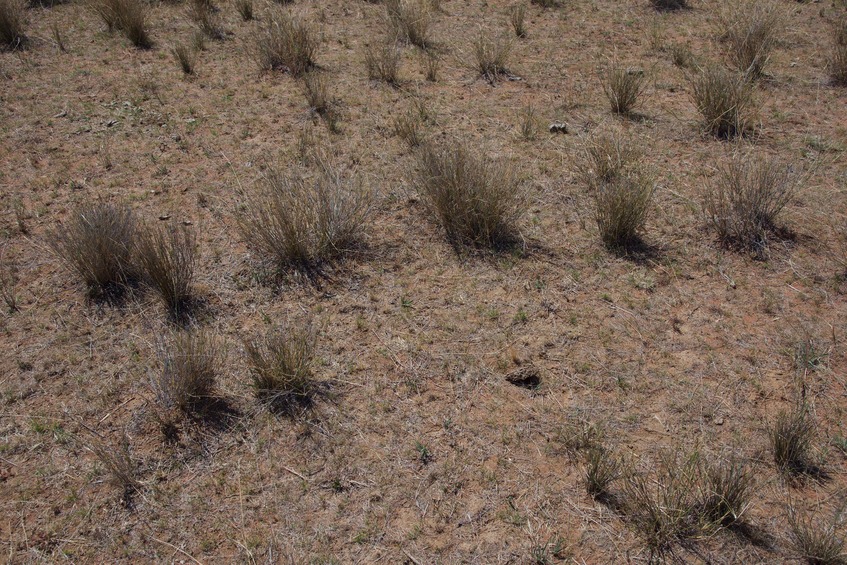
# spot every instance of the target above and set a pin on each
(205, 17)
(682, 57)
(245, 9)
(814, 542)
(517, 15)
(476, 201)
(98, 242)
(383, 62)
(837, 63)
(302, 222)
(492, 56)
(744, 201)
(411, 20)
(602, 468)
(623, 87)
(128, 16)
(8, 282)
(167, 259)
(622, 190)
(409, 127)
(285, 44)
(725, 491)
(122, 470)
(669, 5)
(319, 99)
(791, 437)
(190, 362)
(281, 363)
(528, 123)
(750, 28)
(725, 99)
(431, 65)
(186, 56)
(12, 21)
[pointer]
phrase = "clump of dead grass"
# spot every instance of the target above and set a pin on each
(791, 437)
(301, 221)
(285, 44)
(491, 55)
(411, 20)
(186, 57)
(477, 201)
(383, 62)
(281, 363)
(725, 489)
(602, 468)
(245, 9)
(205, 16)
(166, 256)
(12, 23)
(725, 99)
(98, 242)
(8, 282)
(623, 87)
(744, 201)
(128, 16)
(751, 29)
(409, 126)
(190, 363)
(517, 17)
(320, 101)
(118, 462)
(815, 542)
(837, 62)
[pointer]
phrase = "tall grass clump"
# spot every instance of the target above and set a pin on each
(12, 22)
(127, 16)
(815, 542)
(383, 62)
(837, 62)
(623, 87)
(622, 190)
(411, 20)
(791, 436)
(725, 491)
(190, 363)
(245, 9)
(744, 201)
(98, 242)
(725, 100)
(186, 57)
(302, 220)
(281, 363)
(166, 256)
(477, 201)
(751, 29)
(491, 55)
(517, 17)
(285, 44)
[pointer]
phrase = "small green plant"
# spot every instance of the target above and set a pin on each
(186, 56)
(302, 221)
(285, 44)
(475, 200)
(517, 15)
(167, 259)
(745, 201)
(791, 436)
(12, 22)
(411, 20)
(602, 468)
(383, 62)
(424, 455)
(281, 363)
(725, 99)
(492, 56)
(623, 87)
(98, 242)
(128, 16)
(245, 9)
(814, 542)
(751, 29)
(190, 363)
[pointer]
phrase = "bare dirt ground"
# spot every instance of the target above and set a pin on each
(419, 450)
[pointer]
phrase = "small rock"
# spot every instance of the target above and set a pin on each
(719, 421)
(527, 376)
(165, 217)
(558, 127)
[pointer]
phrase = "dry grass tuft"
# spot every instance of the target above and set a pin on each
(205, 17)
(517, 17)
(409, 127)
(602, 468)
(302, 222)
(492, 56)
(411, 20)
(122, 470)
(128, 16)
(12, 21)
(245, 9)
(744, 201)
(725, 99)
(166, 256)
(320, 101)
(669, 5)
(623, 87)
(475, 200)
(837, 62)
(190, 362)
(383, 62)
(622, 190)
(725, 491)
(98, 242)
(791, 436)
(285, 44)
(814, 542)
(431, 63)
(186, 56)
(281, 363)
(750, 28)
(8, 282)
